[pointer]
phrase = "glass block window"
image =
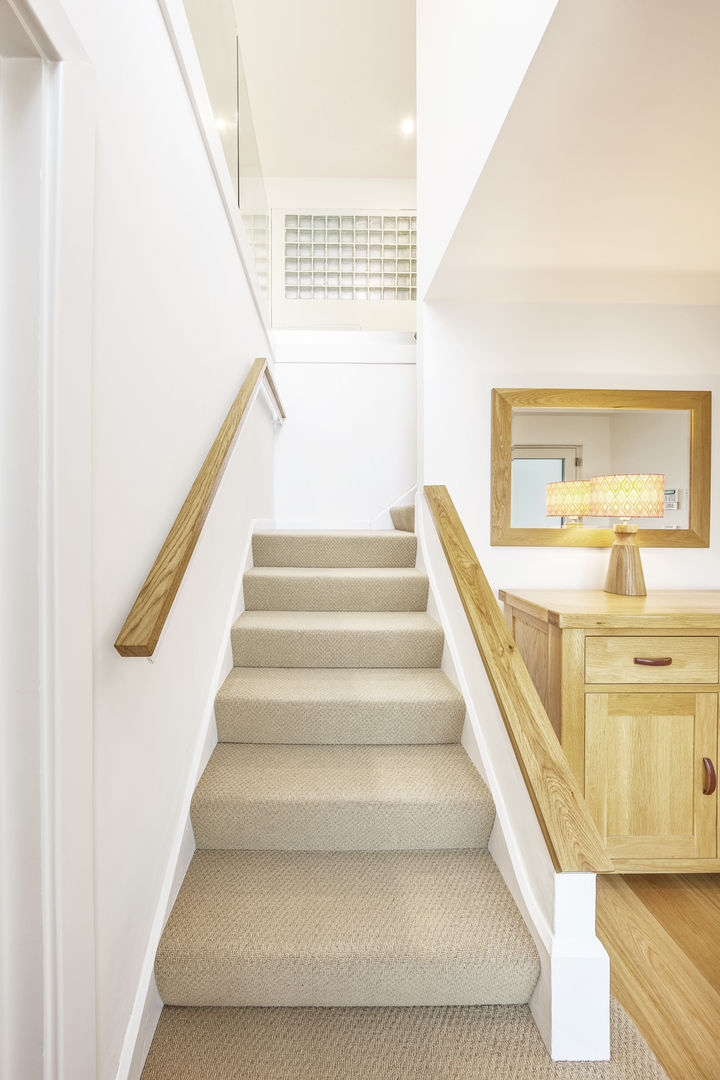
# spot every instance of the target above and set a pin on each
(257, 227)
(350, 257)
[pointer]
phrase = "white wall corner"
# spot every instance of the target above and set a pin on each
(471, 60)
(382, 520)
(181, 39)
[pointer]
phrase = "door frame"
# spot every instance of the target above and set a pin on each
(62, 483)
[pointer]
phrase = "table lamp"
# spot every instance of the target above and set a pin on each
(627, 495)
(568, 499)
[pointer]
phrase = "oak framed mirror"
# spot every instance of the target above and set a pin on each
(540, 436)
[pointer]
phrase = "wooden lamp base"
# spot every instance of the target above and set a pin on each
(625, 573)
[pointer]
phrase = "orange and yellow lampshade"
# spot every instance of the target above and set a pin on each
(567, 498)
(627, 495)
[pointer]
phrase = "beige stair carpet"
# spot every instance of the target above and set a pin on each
(491, 1042)
(403, 518)
(342, 837)
(332, 549)
(345, 928)
(341, 798)
(339, 705)
(327, 639)
(291, 588)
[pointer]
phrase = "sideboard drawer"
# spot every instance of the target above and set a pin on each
(651, 659)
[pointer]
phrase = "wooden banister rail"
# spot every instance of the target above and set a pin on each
(570, 833)
(143, 626)
(273, 390)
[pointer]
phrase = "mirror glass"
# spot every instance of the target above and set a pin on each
(577, 444)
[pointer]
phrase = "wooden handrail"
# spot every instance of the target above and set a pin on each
(143, 626)
(570, 833)
(273, 391)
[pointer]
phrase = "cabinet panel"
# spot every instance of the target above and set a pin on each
(532, 644)
(644, 773)
(626, 659)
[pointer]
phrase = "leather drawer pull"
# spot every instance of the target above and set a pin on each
(710, 777)
(649, 661)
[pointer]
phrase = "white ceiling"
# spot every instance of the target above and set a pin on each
(609, 159)
(330, 82)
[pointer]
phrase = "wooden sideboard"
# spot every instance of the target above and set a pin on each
(631, 686)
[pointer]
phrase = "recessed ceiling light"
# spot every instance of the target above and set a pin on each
(223, 125)
(407, 127)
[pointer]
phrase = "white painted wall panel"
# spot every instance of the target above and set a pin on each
(471, 60)
(348, 448)
(21, 666)
(175, 331)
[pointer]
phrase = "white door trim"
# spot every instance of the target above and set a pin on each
(64, 508)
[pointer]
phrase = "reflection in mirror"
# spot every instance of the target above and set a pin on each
(567, 444)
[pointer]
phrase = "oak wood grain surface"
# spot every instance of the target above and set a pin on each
(588, 608)
(688, 907)
(635, 734)
(644, 773)
(662, 936)
(143, 626)
(614, 659)
(571, 835)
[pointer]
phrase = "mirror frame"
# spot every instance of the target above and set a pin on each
(697, 402)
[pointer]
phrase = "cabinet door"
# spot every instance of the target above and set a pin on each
(644, 773)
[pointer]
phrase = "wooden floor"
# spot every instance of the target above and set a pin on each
(662, 932)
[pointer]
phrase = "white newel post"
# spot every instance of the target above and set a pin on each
(571, 1003)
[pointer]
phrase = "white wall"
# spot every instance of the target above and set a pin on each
(660, 443)
(215, 36)
(343, 193)
(471, 60)
(175, 333)
(602, 184)
(21, 868)
(470, 348)
(592, 433)
(348, 448)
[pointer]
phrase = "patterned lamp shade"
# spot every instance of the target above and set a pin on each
(567, 498)
(628, 495)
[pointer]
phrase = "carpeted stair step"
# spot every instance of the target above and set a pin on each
(345, 928)
(289, 588)
(403, 518)
(496, 1042)
(339, 705)
(359, 639)
(341, 798)
(334, 549)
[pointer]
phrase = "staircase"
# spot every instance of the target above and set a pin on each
(341, 829)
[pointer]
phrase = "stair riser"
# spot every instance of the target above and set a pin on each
(328, 722)
(345, 980)
(322, 594)
(329, 551)
(329, 826)
(256, 647)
